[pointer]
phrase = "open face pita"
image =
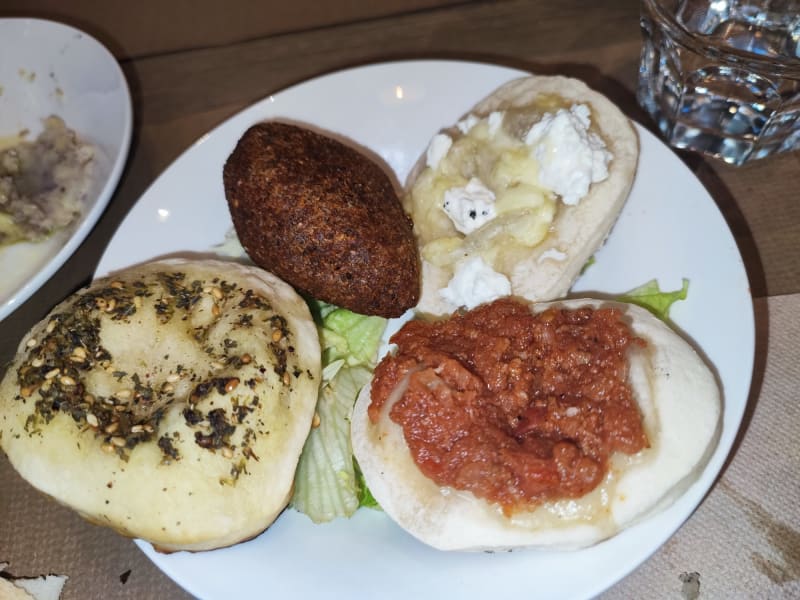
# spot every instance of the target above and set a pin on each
(680, 404)
(541, 243)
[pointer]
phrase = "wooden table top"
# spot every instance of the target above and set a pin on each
(180, 96)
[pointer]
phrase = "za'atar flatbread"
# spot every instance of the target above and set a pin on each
(540, 238)
(169, 401)
(680, 405)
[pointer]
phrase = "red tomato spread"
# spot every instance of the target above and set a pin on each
(514, 407)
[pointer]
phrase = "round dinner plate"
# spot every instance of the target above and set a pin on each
(47, 68)
(670, 229)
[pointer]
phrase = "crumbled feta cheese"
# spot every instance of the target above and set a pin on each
(570, 157)
(473, 283)
(437, 149)
(467, 123)
(495, 120)
(469, 207)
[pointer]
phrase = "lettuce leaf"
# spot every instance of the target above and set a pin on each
(328, 483)
(365, 497)
(650, 296)
(347, 336)
(326, 486)
(588, 264)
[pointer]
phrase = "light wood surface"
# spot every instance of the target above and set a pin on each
(179, 96)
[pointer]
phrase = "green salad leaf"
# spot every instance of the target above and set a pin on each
(365, 497)
(588, 264)
(328, 483)
(650, 296)
(349, 336)
(326, 486)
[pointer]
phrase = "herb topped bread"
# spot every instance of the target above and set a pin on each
(169, 401)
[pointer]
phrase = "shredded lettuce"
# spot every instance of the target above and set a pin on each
(650, 296)
(328, 483)
(347, 336)
(365, 497)
(325, 482)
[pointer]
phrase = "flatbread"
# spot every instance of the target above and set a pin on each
(680, 403)
(184, 393)
(551, 267)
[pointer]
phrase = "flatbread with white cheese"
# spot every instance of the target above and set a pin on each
(169, 401)
(542, 266)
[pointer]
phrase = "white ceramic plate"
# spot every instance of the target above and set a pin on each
(669, 229)
(47, 68)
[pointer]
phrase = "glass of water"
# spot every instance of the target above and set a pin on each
(722, 77)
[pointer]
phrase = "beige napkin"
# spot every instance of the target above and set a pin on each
(744, 539)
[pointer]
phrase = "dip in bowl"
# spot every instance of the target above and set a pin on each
(54, 70)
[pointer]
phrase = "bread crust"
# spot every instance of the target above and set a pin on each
(680, 403)
(577, 231)
(178, 414)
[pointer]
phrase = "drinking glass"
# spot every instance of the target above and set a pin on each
(722, 77)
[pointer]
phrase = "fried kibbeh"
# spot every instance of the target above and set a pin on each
(324, 218)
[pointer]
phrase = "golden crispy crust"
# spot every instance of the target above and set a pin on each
(322, 217)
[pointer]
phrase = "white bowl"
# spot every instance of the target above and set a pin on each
(48, 68)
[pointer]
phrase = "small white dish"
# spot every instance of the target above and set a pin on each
(48, 68)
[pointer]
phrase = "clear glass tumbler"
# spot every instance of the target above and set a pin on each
(722, 77)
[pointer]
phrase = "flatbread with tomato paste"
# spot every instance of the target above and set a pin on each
(679, 401)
